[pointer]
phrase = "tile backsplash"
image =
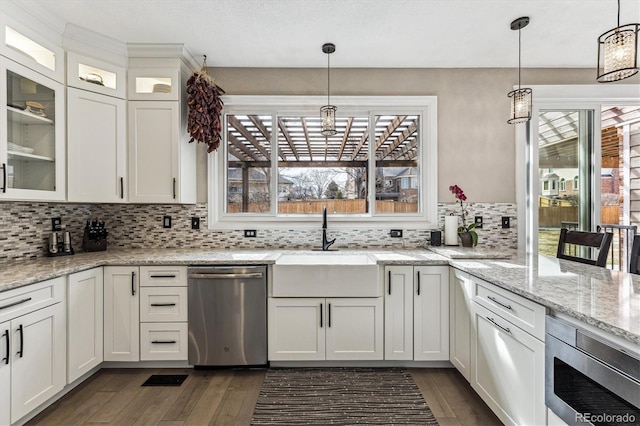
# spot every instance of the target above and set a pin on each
(24, 227)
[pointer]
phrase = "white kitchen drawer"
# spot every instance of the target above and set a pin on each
(525, 314)
(163, 304)
(19, 301)
(163, 276)
(163, 341)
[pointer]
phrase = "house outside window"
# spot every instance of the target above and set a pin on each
(275, 167)
(563, 185)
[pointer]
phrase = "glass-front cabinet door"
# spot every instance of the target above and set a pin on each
(32, 136)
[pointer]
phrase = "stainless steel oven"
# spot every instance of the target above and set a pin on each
(589, 380)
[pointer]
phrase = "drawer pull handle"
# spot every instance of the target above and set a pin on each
(491, 320)
(121, 188)
(329, 315)
(8, 347)
(21, 350)
(164, 341)
(163, 276)
(19, 302)
(494, 300)
(174, 188)
(163, 304)
(133, 283)
(389, 283)
(418, 277)
(321, 315)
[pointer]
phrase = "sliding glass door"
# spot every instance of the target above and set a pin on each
(565, 183)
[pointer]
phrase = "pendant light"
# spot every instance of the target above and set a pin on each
(520, 98)
(328, 112)
(618, 52)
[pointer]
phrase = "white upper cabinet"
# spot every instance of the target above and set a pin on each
(96, 76)
(162, 162)
(39, 50)
(97, 147)
(32, 139)
(154, 84)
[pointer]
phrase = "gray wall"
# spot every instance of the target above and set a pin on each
(476, 147)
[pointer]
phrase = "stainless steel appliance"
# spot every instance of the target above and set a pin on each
(227, 315)
(589, 380)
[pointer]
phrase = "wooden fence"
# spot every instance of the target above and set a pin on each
(333, 206)
(552, 217)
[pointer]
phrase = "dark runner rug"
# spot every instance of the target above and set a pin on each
(340, 396)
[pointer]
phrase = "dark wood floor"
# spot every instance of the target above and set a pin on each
(226, 397)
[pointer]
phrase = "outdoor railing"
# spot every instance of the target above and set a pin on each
(618, 258)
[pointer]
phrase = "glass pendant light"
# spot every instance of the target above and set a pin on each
(618, 52)
(328, 112)
(520, 98)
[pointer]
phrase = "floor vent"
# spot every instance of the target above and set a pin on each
(165, 380)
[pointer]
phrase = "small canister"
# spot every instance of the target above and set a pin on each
(66, 241)
(53, 242)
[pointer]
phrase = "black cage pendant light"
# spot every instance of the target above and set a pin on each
(618, 52)
(520, 98)
(328, 112)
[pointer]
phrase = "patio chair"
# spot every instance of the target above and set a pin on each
(635, 255)
(595, 240)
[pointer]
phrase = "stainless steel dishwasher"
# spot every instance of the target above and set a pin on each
(227, 315)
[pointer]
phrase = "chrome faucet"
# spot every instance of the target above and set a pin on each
(325, 243)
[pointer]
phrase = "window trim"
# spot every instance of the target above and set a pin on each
(426, 106)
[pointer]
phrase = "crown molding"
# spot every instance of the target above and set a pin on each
(82, 40)
(49, 26)
(163, 50)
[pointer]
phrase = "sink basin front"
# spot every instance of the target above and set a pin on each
(326, 275)
(325, 259)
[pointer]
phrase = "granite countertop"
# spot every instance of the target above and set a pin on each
(609, 300)
(20, 273)
(606, 299)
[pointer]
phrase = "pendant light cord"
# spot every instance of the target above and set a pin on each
(520, 54)
(618, 13)
(328, 79)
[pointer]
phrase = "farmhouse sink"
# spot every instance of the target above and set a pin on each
(326, 275)
(327, 259)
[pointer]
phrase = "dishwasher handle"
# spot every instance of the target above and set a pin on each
(224, 276)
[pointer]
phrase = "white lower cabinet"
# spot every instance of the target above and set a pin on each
(312, 329)
(508, 372)
(417, 313)
(32, 349)
(460, 321)
(163, 313)
(431, 313)
(121, 313)
(163, 341)
(85, 294)
(398, 313)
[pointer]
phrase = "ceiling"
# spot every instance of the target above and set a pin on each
(367, 33)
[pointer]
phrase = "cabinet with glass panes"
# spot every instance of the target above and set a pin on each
(32, 142)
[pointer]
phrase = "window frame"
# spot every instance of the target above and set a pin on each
(425, 106)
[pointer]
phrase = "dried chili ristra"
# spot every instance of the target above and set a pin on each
(204, 99)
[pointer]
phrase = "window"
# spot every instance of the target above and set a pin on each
(575, 183)
(274, 166)
(553, 185)
(545, 185)
(563, 185)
